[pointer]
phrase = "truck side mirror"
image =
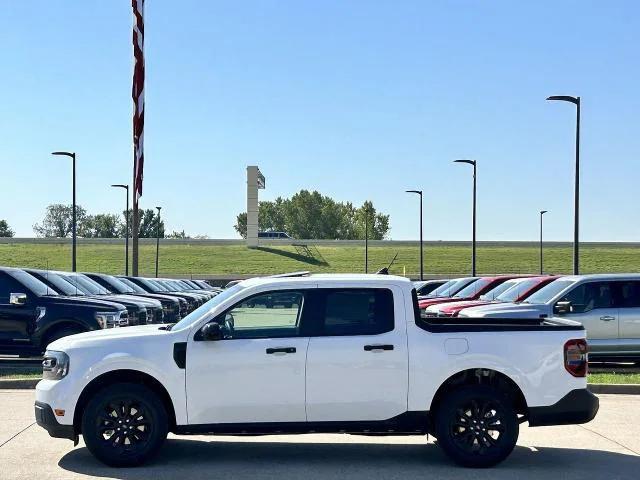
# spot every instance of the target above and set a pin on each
(211, 332)
(18, 299)
(562, 308)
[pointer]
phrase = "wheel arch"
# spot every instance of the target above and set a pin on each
(482, 376)
(122, 376)
(59, 324)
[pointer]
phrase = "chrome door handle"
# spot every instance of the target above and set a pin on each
(607, 318)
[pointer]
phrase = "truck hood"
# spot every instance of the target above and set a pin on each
(457, 306)
(107, 336)
(508, 310)
(85, 302)
(435, 301)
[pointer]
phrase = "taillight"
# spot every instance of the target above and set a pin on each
(576, 357)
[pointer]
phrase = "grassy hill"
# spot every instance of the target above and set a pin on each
(439, 258)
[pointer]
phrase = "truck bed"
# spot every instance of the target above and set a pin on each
(480, 324)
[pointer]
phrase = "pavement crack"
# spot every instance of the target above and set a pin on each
(23, 430)
(610, 439)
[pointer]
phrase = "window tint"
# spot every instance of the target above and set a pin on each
(357, 312)
(8, 286)
(273, 314)
(472, 289)
(589, 296)
(629, 294)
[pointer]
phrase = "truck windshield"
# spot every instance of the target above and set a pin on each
(516, 291)
(499, 290)
(116, 285)
(473, 288)
(61, 285)
(548, 293)
(32, 283)
(202, 310)
(134, 287)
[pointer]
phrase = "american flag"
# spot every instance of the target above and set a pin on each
(137, 94)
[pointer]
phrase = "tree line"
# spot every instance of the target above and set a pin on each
(313, 215)
(58, 223)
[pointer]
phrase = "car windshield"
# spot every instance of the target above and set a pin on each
(135, 288)
(549, 292)
(84, 284)
(32, 283)
(116, 285)
(444, 289)
(202, 310)
(473, 288)
(61, 285)
(495, 292)
(515, 292)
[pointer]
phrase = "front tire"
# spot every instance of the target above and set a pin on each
(124, 425)
(476, 426)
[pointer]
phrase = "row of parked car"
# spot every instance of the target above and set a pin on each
(608, 305)
(38, 307)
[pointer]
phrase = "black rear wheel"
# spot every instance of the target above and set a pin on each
(124, 425)
(476, 426)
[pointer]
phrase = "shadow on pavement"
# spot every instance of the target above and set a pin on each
(190, 459)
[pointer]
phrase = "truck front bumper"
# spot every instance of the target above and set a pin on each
(577, 406)
(47, 420)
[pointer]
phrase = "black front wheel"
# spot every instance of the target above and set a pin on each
(476, 426)
(124, 425)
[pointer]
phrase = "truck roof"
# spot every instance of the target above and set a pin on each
(603, 276)
(328, 278)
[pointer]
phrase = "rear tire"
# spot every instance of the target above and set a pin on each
(124, 425)
(476, 426)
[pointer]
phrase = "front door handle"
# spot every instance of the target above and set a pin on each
(607, 318)
(282, 350)
(377, 348)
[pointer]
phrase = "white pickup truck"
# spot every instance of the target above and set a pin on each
(316, 353)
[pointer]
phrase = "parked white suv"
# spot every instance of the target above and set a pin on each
(607, 305)
(318, 353)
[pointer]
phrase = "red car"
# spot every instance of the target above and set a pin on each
(514, 290)
(472, 292)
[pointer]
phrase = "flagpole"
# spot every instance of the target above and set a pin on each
(137, 94)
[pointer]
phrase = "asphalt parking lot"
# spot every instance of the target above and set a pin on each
(608, 447)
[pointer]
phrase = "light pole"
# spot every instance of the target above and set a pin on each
(576, 193)
(366, 241)
(419, 192)
(72, 155)
(542, 212)
(158, 240)
(126, 234)
(473, 239)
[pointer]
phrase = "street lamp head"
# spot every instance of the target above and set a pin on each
(120, 185)
(565, 98)
(470, 162)
(419, 192)
(66, 154)
(159, 208)
(542, 212)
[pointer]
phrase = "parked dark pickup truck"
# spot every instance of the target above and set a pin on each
(33, 315)
(170, 305)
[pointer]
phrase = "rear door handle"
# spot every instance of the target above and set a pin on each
(282, 350)
(607, 318)
(376, 348)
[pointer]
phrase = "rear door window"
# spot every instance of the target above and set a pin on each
(355, 312)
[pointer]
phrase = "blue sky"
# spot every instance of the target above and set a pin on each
(359, 100)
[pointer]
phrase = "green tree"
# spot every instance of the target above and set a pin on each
(57, 221)
(102, 225)
(5, 230)
(148, 223)
(312, 215)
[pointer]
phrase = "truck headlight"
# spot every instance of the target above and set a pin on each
(55, 365)
(110, 319)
